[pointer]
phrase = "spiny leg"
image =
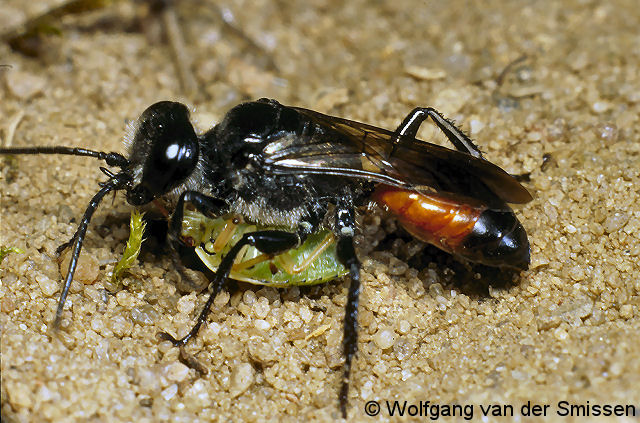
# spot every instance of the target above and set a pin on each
(65, 245)
(268, 242)
(114, 184)
(112, 159)
(410, 125)
(345, 227)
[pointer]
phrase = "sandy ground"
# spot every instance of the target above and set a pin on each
(430, 330)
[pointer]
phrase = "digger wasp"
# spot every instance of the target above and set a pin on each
(274, 191)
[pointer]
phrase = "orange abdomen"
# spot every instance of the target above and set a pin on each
(436, 220)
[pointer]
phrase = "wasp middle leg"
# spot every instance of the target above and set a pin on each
(345, 228)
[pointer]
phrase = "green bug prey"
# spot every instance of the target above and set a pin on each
(312, 263)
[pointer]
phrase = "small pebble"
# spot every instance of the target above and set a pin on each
(242, 377)
(177, 372)
(615, 221)
(47, 285)
(384, 338)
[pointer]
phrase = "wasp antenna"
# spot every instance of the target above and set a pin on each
(119, 181)
(112, 159)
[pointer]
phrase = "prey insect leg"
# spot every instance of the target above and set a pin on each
(268, 242)
(410, 125)
(345, 227)
(204, 204)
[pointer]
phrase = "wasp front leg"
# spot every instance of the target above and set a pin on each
(208, 206)
(270, 242)
(345, 228)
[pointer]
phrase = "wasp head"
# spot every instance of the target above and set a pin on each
(163, 151)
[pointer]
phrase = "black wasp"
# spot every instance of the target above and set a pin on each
(295, 172)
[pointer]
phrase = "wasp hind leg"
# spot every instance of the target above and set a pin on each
(410, 125)
(345, 228)
(268, 242)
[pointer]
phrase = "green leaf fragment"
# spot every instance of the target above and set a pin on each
(4, 251)
(131, 251)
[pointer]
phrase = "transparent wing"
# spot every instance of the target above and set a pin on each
(347, 148)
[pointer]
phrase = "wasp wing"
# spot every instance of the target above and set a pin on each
(336, 146)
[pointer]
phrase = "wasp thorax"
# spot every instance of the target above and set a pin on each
(164, 151)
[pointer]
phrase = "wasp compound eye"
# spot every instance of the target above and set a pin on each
(165, 150)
